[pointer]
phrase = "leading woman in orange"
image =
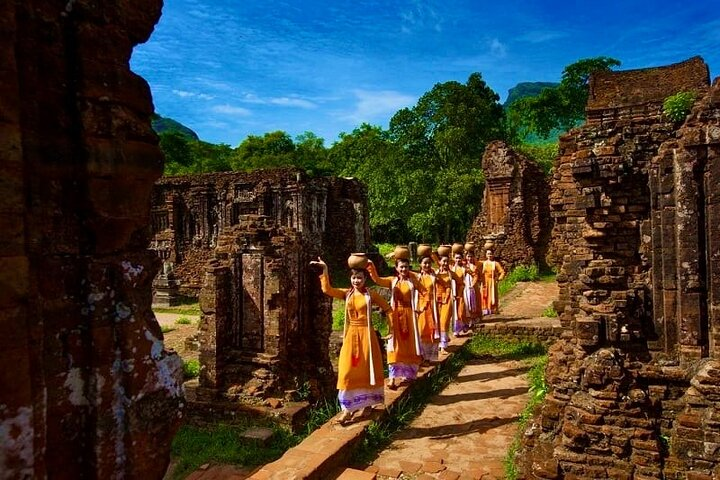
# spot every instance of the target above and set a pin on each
(404, 352)
(360, 369)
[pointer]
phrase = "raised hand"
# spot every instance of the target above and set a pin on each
(320, 262)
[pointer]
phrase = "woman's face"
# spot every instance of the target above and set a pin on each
(357, 279)
(402, 267)
(458, 259)
(470, 257)
(489, 255)
(426, 264)
(444, 262)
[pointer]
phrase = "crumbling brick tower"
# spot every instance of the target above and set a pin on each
(86, 389)
(515, 211)
(634, 385)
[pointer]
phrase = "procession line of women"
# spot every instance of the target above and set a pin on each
(424, 308)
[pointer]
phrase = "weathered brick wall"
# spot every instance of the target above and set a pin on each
(609, 90)
(515, 211)
(190, 212)
(634, 381)
(265, 327)
(86, 389)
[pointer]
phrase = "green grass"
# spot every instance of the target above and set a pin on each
(521, 273)
(183, 321)
(194, 446)
(538, 390)
(191, 369)
(166, 328)
(338, 314)
(192, 309)
(549, 312)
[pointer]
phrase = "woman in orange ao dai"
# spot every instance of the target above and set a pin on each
(404, 352)
(360, 369)
(427, 308)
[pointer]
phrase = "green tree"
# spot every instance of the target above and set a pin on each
(557, 108)
(311, 154)
(178, 153)
(272, 150)
(368, 154)
(442, 139)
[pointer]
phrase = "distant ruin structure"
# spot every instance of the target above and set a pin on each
(634, 385)
(515, 210)
(87, 389)
(243, 241)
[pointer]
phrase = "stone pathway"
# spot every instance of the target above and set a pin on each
(465, 431)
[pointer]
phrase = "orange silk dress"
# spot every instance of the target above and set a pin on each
(446, 288)
(492, 272)
(406, 348)
(360, 360)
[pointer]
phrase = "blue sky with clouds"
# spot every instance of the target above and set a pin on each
(229, 68)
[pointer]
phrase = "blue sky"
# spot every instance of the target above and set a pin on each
(231, 68)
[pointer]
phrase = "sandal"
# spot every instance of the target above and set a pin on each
(392, 385)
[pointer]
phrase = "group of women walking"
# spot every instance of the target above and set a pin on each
(424, 308)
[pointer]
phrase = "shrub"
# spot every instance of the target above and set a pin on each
(676, 107)
(183, 321)
(191, 369)
(166, 328)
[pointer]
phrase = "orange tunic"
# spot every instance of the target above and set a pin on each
(406, 340)
(492, 273)
(446, 297)
(428, 315)
(360, 349)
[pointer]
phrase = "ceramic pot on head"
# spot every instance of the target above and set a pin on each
(457, 248)
(357, 261)
(489, 245)
(444, 250)
(402, 252)
(424, 250)
(470, 247)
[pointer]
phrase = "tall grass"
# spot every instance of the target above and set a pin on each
(521, 273)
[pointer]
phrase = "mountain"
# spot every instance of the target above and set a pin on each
(527, 89)
(167, 125)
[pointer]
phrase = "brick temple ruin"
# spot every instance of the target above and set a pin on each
(242, 242)
(515, 210)
(87, 388)
(634, 385)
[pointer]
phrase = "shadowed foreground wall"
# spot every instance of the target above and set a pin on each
(86, 388)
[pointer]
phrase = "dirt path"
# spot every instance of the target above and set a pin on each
(465, 431)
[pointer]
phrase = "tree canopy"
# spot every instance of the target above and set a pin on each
(557, 108)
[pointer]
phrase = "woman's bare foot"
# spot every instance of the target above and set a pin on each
(392, 385)
(344, 418)
(365, 412)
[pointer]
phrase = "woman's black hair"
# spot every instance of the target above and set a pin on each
(358, 270)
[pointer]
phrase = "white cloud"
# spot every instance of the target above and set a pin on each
(497, 48)
(231, 110)
(377, 105)
(541, 36)
(186, 94)
(291, 101)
